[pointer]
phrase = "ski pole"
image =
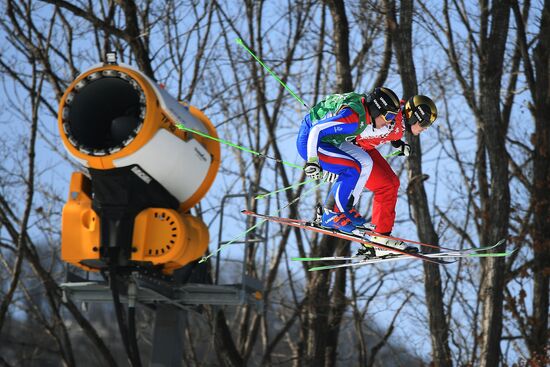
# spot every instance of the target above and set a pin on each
(393, 154)
(205, 258)
(241, 43)
(204, 135)
(200, 133)
(326, 177)
(263, 196)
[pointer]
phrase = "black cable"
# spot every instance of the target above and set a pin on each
(119, 314)
(132, 324)
(132, 335)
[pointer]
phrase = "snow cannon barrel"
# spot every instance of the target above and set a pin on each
(143, 173)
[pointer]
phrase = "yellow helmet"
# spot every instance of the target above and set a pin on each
(420, 109)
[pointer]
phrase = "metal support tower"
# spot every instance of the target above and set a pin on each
(171, 299)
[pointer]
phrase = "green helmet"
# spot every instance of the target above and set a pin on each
(420, 109)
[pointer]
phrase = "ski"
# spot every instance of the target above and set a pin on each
(346, 236)
(402, 257)
(474, 252)
(361, 232)
(301, 223)
(365, 261)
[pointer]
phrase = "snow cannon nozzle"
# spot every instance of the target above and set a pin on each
(104, 114)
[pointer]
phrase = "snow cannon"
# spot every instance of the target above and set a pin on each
(142, 174)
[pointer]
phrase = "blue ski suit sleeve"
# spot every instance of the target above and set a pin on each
(346, 122)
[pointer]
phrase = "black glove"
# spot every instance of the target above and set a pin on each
(313, 170)
(402, 146)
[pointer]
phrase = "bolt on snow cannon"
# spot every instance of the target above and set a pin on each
(144, 174)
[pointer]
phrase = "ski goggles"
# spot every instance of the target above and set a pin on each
(424, 122)
(389, 116)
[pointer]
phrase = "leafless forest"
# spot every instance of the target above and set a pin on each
(482, 173)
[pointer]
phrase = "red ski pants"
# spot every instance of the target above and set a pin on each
(384, 184)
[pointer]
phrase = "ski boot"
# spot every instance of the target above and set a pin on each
(338, 221)
(356, 219)
(368, 252)
(318, 218)
(398, 245)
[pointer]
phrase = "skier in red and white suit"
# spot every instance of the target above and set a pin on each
(416, 115)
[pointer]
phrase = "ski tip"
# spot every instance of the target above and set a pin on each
(491, 254)
(490, 247)
(494, 254)
(203, 260)
(508, 253)
(317, 268)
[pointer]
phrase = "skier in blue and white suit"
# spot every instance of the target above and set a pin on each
(324, 141)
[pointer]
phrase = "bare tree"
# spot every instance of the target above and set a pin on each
(479, 72)
(497, 205)
(402, 39)
(537, 74)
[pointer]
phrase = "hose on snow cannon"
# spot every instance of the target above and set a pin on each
(131, 208)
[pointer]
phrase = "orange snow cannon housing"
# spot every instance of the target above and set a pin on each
(144, 174)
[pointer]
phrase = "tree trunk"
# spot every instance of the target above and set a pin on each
(225, 346)
(439, 329)
(318, 309)
(496, 223)
(344, 84)
(540, 197)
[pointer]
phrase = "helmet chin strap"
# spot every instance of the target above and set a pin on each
(408, 126)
